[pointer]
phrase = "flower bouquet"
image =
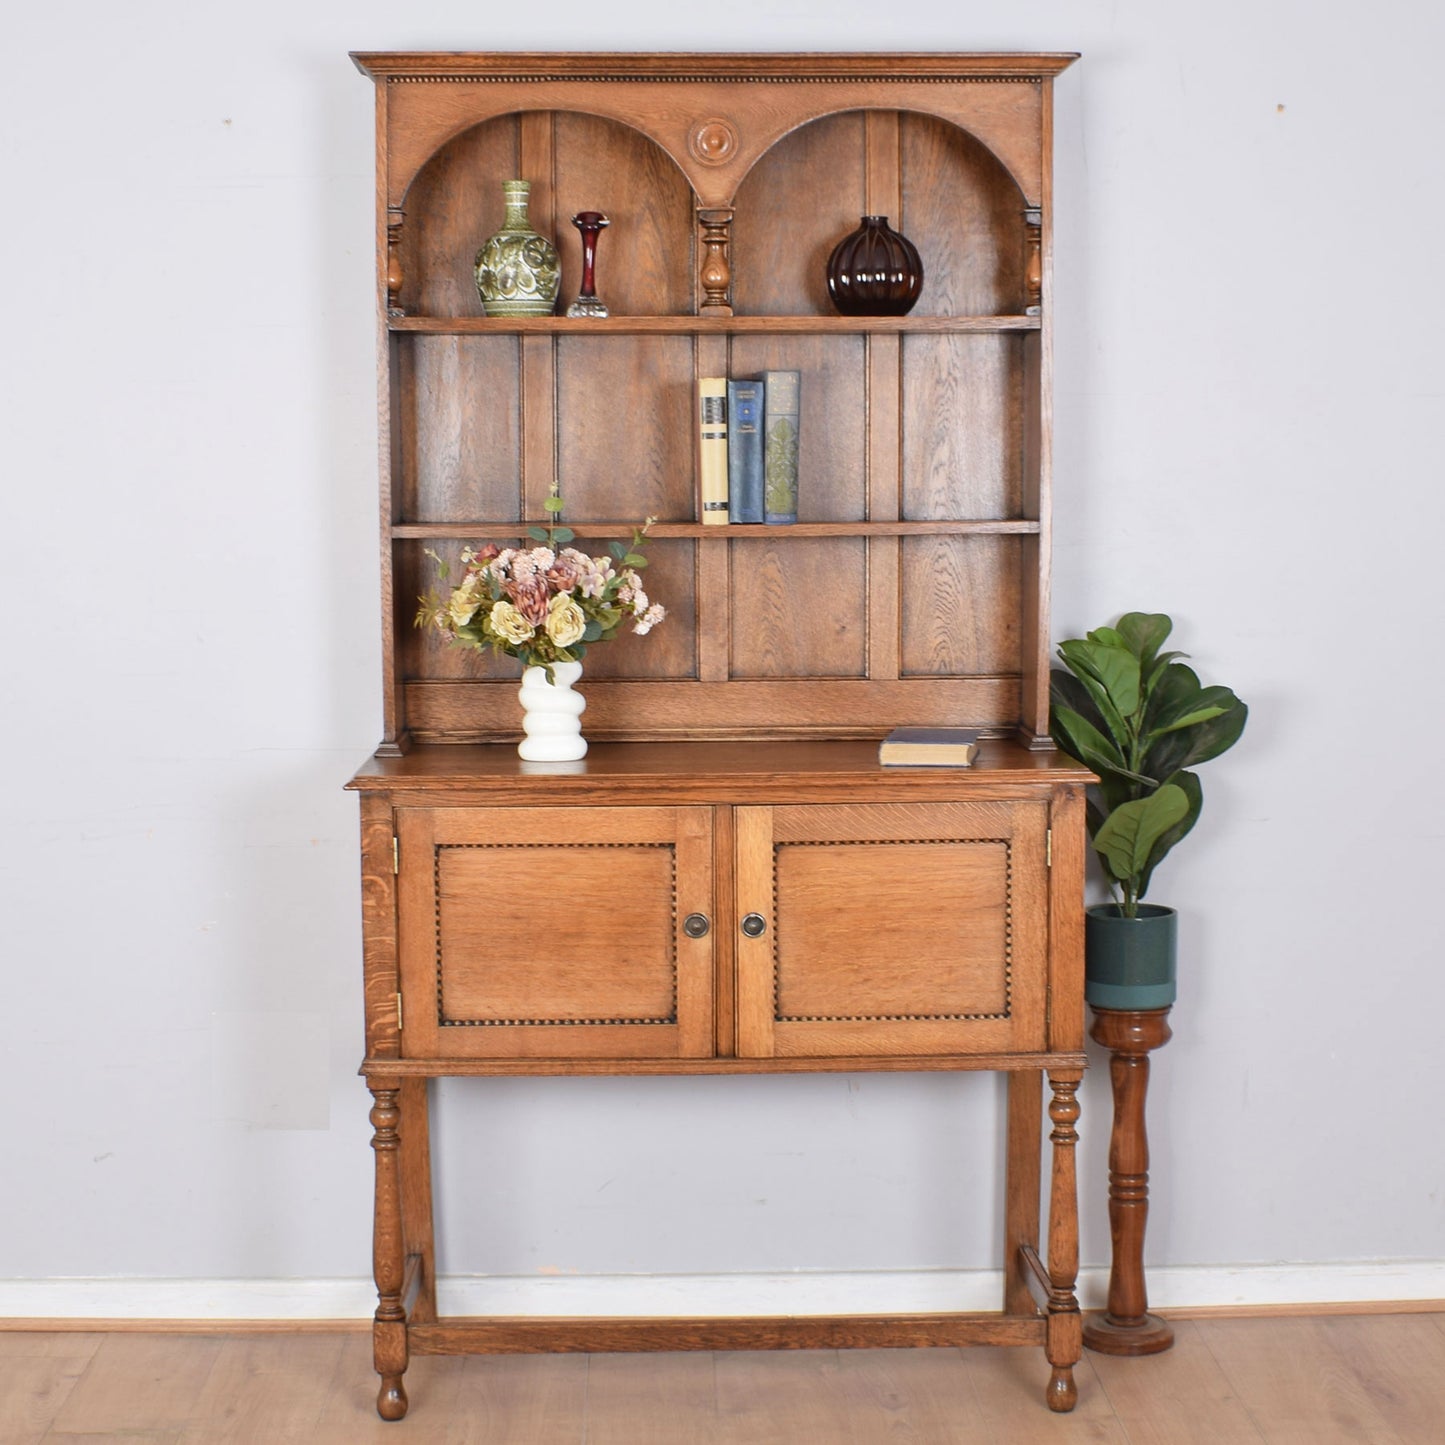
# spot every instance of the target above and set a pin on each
(545, 605)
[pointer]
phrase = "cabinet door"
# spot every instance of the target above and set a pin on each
(534, 933)
(893, 929)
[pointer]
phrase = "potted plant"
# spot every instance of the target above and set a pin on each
(1142, 720)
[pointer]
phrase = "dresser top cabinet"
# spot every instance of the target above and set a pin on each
(741, 886)
(913, 589)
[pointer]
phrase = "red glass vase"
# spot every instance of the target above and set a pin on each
(875, 271)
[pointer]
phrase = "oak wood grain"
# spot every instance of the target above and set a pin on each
(614, 974)
(710, 326)
(485, 708)
(532, 1333)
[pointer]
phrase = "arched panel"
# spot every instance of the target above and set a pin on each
(940, 186)
(575, 162)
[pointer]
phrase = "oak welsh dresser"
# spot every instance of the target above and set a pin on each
(746, 889)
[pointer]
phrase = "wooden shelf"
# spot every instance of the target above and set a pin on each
(470, 531)
(709, 325)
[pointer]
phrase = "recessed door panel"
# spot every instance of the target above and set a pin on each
(893, 929)
(555, 932)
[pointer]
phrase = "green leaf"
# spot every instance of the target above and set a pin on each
(553, 504)
(617, 550)
(1089, 745)
(1111, 675)
(1128, 836)
(562, 535)
(1175, 691)
(1189, 720)
(1065, 690)
(1183, 698)
(1210, 739)
(1171, 744)
(1143, 633)
(1154, 669)
(1077, 735)
(537, 534)
(635, 559)
(1189, 784)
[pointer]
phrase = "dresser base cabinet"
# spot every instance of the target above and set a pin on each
(730, 908)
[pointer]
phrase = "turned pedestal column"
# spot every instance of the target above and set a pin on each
(1126, 1327)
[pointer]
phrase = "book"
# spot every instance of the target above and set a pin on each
(712, 448)
(929, 747)
(780, 446)
(745, 451)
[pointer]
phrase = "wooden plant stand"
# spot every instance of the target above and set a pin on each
(1126, 1327)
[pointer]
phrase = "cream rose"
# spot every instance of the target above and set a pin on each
(509, 624)
(465, 601)
(566, 621)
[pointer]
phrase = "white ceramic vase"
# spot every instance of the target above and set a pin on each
(552, 715)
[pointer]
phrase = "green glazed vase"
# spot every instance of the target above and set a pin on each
(517, 270)
(1129, 963)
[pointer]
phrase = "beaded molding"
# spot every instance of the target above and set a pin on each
(450, 1023)
(782, 1018)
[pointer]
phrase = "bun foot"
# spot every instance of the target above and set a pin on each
(391, 1401)
(1062, 1394)
(1146, 1335)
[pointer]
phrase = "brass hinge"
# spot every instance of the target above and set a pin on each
(398, 1013)
(395, 854)
(1048, 848)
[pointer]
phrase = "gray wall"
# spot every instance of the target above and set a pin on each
(1248, 417)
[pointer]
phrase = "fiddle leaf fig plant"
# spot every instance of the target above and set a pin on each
(1141, 719)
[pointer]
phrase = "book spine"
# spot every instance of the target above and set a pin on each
(780, 446)
(712, 449)
(745, 451)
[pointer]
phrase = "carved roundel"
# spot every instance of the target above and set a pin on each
(713, 141)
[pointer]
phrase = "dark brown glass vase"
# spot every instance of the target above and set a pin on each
(874, 271)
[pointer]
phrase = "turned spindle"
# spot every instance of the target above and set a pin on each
(1126, 1327)
(389, 1343)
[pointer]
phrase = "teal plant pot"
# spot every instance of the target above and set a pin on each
(1129, 963)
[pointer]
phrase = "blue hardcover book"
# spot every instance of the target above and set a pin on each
(745, 451)
(780, 446)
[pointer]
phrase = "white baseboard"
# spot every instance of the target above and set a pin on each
(872, 1292)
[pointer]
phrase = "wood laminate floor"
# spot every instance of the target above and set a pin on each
(1353, 1379)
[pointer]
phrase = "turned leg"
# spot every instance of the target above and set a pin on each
(389, 1349)
(1127, 1327)
(1062, 1341)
